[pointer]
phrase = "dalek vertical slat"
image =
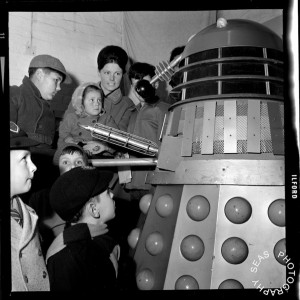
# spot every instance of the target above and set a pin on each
(175, 121)
(253, 126)
(187, 140)
(208, 127)
(276, 128)
(230, 145)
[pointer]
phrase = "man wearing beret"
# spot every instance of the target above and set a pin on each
(83, 257)
(30, 108)
(29, 271)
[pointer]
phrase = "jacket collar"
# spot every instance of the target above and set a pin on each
(30, 85)
(29, 222)
(74, 233)
(115, 96)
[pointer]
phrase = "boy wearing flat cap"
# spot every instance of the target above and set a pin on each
(29, 271)
(30, 109)
(29, 102)
(83, 257)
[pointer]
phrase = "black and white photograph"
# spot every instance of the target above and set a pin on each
(154, 148)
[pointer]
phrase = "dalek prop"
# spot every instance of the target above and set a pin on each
(217, 217)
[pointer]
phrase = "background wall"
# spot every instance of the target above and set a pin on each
(77, 37)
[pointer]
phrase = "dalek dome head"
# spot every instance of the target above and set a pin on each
(232, 66)
(233, 33)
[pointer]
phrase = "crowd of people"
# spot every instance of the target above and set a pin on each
(69, 233)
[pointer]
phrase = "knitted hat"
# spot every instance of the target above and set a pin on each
(73, 189)
(63, 147)
(48, 61)
(19, 138)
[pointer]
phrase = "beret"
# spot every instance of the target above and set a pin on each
(73, 189)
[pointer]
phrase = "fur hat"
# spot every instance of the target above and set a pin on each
(61, 149)
(48, 61)
(19, 138)
(73, 189)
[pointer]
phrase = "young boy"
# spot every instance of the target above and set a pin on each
(30, 108)
(83, 257)
(66, 157)
(146, 121)
(29, 271)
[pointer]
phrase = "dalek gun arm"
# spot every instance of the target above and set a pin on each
(122, 138)
(124, 162)
(164, 72)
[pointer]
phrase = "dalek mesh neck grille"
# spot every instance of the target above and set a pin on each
(242, 115)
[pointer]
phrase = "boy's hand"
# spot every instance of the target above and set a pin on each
(93, 147)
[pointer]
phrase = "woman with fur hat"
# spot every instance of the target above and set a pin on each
(112, 61)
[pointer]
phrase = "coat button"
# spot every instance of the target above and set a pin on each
(26, 278)
(80, 133)
(94, 121)
(44, 274)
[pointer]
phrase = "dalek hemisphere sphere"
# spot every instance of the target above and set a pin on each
(236, 32)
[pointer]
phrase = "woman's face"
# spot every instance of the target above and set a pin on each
(110, 76)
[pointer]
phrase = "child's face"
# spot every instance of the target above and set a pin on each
(21, 172)
(106, 206)
(92, 103)
(49, 84)
(69, 161)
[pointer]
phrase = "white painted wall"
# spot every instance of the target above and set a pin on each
(77, 37)
(74, 37)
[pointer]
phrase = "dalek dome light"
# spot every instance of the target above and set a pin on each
(233, 33)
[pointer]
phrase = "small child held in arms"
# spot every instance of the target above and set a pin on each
(29, 271)
(89, 256)
(87, 101)
(66, 157)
